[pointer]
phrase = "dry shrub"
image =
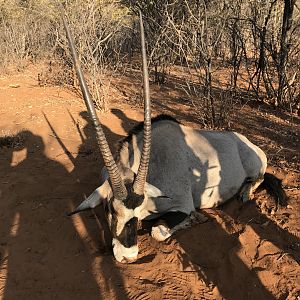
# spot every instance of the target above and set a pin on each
(10, 140)
(99, 29)
(32, 31)
(202, 36)
(26, 32)
(207, 36)
(52, 73)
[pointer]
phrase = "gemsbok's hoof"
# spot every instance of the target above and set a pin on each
(160, 232)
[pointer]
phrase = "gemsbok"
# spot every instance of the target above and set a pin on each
(168, 168)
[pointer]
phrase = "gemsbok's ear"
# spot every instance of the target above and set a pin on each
(98, 195)
(152, 191)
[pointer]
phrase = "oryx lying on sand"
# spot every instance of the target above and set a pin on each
(185, 168)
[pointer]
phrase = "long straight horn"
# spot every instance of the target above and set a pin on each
(140, 180)
(118, 186)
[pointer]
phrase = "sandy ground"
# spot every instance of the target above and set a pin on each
(244, 251)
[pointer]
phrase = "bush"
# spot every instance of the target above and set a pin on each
(256, 40)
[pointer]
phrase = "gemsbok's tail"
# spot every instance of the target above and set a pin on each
(274, 186)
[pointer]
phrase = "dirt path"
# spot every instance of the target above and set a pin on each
(241, 252)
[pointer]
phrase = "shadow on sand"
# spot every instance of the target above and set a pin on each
(43, 253)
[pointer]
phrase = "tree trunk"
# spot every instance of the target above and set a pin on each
(284, 47)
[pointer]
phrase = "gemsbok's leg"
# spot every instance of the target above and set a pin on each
(161, 232)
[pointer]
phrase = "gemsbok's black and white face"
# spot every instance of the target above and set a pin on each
(122, 217)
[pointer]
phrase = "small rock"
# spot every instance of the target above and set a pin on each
(14, 85)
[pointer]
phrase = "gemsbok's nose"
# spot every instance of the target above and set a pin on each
(128, 260)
